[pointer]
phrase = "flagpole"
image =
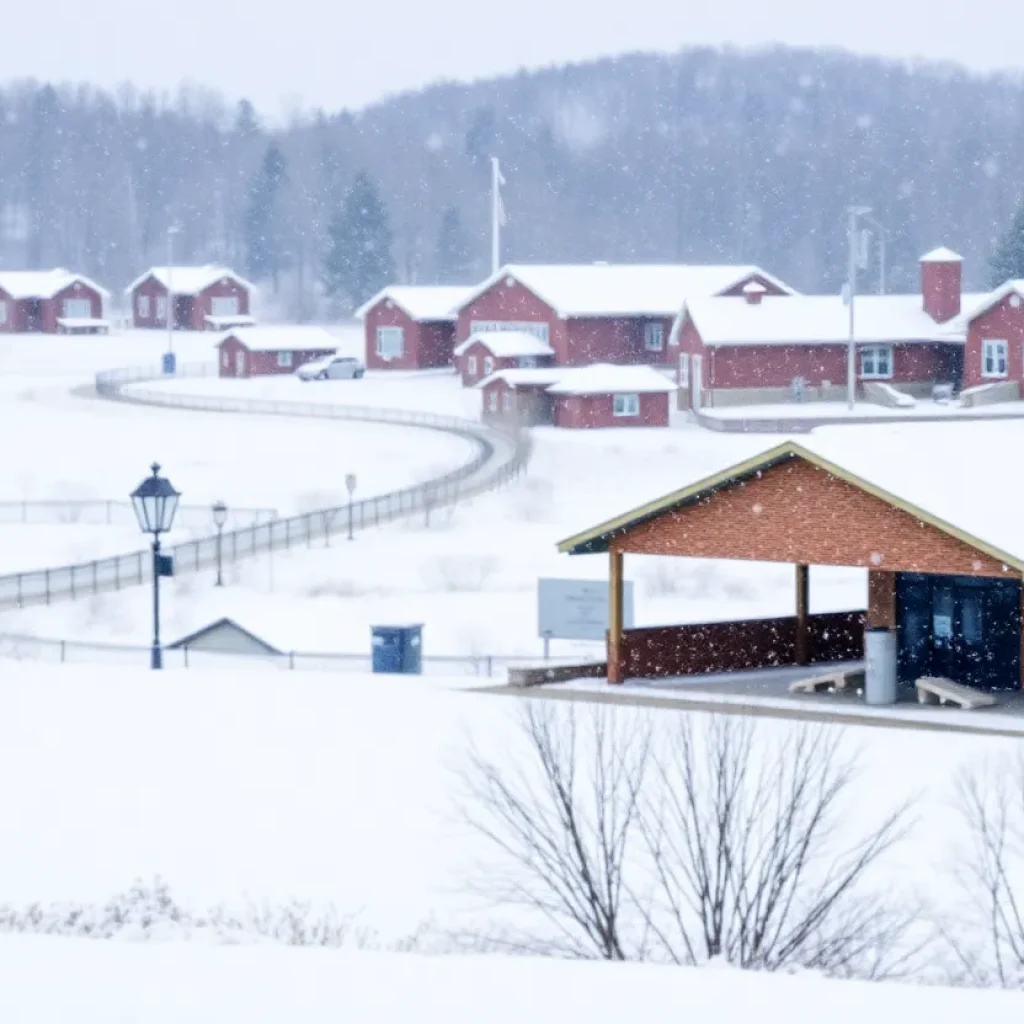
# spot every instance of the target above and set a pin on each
(495, 216)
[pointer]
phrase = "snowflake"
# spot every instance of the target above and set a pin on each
(991, 167)
(865, 121)
(806, 80)
(434, 143)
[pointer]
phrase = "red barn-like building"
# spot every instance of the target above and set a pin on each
(994, 351)
(762, 349)
(205, 298)
(480, 355)
(51, 301)
(259, 351)
(411, 327)
(617, 313)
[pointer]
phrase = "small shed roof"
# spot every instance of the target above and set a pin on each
(425, 303)
(526, 377)
(191, 280)
(282, 339)
(221, 624)
(609, 379)
(43, 284)
(506, 344)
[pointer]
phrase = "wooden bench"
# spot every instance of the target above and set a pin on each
(937, 690)
(830, 682)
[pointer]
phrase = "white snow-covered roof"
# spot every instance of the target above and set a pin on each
(282, 339)
(42, 284)
(942, 255)
(819, 319)
(986, 302)
(527, 376)
(609, 379)
(622, 289)
(421, 302)
(191, 280)
(507, 344)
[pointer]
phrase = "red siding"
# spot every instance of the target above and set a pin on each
(436, 343)
(202, 306)
(13, 313)
(513, 302)
(18, 312)
(614, 340)
(481, 353)
(940, 289)
(387, 314)
(55, 308)
(1003, 322)
(189, 310)
(259, 364)
(598, 411)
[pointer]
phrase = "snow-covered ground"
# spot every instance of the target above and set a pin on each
(50, 980)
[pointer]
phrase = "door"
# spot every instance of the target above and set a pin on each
(240, 362)
(696, 382)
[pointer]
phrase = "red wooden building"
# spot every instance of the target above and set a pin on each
(411, 327)
(51, 301)
(205, 298)
(601, 395)
(259, 351)
(763, 349)
(599, 312)
(994, 349)
(482, 354)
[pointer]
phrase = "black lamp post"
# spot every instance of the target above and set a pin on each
(155, 501)
(220, 517)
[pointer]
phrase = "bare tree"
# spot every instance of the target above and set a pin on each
(686, 837)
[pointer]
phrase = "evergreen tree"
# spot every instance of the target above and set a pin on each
(264, 235)
(1008, 259)
(452, 249)
(358, 261)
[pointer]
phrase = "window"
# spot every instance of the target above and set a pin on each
(488, 365)
(77, 309)
(993, 358)
(224, 305)
(506, 401)
(526, 362)
(471, 366)
(142, 305)
(492, 401)
(161, 307)
(390, 342)
(284, 359)
(876, 362)
(654, 337)
(3, 311)
(684, 370)
(537, 329)
(626, 405)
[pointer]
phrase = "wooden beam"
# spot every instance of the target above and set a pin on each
(803, 581)
(615, 608)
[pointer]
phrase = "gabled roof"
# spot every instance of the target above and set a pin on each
(818, 319)
(609, 379)
(527, 376)
(983, 303)
(506, 344)
(43, 284)
(191, 280)
(621, 289)
(967, 499)
(281, 339)
(223, 623)
(423, 303)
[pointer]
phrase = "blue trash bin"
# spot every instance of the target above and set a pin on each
(170, 362)
(397, 649)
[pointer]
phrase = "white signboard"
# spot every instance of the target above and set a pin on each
(578, 609)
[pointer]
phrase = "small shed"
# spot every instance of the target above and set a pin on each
(486, 352)
(260, 351)
(604, 395)
(225, 636)
(51, 301)
(520, 396)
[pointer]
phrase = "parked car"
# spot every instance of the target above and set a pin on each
(331, 368)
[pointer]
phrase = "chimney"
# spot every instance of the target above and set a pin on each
(754, 292)
(941, 283)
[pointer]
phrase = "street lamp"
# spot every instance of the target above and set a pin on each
(854, 214)
(350, 486)
(155, 501)
(169, 360)
(220, 517)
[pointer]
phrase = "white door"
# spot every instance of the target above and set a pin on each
(240, 363)
(696, 382)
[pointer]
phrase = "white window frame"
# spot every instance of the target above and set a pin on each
(506, 401)
(538, 328)
(654, 337)
(684, 369)
(217, 305)
(995, 351)
(142, 306)
(284, 359)
(471, 365)
(3, 312)
(626, 405)
(387, 349)
(870, 359)
(492, 400)
(69, 304)
(488, 365)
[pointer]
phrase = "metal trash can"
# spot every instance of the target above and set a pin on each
(397, 649)
(880, 684)
(169, 363)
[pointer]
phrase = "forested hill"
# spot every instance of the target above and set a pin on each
(705, 155)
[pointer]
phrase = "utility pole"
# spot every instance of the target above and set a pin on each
(854, 214)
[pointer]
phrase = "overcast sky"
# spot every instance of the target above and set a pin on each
(346, 53)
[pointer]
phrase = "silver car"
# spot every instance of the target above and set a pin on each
(331, 368)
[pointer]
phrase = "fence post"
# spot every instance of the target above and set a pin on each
(490, 665)
(291, 659)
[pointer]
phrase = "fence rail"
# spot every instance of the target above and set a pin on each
(119, 513)
(498, 459)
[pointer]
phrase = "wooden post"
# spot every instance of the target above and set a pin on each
(802, 601)
(615, 616)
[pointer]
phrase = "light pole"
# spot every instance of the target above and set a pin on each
(220, 517)
(883, 242)
(854, 213)
(350, 486)
(155, 501)
(169, 360)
